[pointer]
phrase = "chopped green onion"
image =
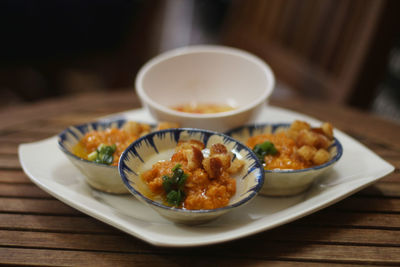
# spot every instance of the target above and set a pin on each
(103, 154)
(92, 156)
(263, 149)
(177, 166)
(174, 185)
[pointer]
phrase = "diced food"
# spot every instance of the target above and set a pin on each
(191, 181)
(106, 146)
(298, 147)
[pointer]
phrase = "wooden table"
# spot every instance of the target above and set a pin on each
(36, 229)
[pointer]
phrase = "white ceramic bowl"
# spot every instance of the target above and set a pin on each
(160, 145)
(100, 176)
(286, 182)
(205, 74)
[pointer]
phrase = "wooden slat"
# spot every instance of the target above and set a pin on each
(87, 224)
(332, 41)
(69, 224)
(21, 136)
(22, 190)
(270, 251)
(16, 177)
(300, 251)
(36, 229)
(93, 242)
(285, 20)
(119, 101)
(328, 217)
(87, 258)
(344, 236)
(7, 148)
(45, 127)
(394, 177)
(372, 204)
(312, 43)
(41, 206)
(382, 189)
(73, 119)
(125, 243)
(45, 206)
(275, 10)
(16, 140)
(9, 162)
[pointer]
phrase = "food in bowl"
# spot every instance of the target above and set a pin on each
(298, 147)
(192, 181)
(95, 147)
(295, 160)
(105, 146)
(202, 108)
(205, 74)
(149, 150)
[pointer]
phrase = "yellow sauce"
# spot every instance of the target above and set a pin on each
(93, 139)
(203, 108)
(286, 157)
(201, 190)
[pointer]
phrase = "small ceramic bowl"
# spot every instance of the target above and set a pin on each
(160, 145)
(100, 176)
(287, 182)
(205, 75)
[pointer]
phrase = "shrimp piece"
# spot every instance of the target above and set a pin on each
(189, 153)
(218, 161)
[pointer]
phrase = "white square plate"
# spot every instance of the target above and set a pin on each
(52, 171)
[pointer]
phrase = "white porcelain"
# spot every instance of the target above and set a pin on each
(287, 182)
(55, 174)
(205, 74)
(100, 176)
(160, 145)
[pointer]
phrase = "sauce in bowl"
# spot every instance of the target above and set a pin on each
(202, 108)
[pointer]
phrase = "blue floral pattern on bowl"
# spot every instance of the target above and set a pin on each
(160, 145)
(287, 182)
(100, 176)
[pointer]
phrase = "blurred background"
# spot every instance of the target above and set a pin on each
(338, 51)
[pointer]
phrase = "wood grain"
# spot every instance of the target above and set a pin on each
(51, 223)
(36, 229)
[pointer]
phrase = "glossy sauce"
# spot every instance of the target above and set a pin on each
(202, 192)
(93, 139)
(202, 108)
(286, 157)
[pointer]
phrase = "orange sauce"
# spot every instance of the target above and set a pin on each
(93, 139)
(286, 157)
(201, 191)
(202, 108)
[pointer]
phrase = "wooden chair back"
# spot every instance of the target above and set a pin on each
(318, 47)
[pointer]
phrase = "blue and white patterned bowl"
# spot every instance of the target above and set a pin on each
(286, 182)
(100, 176)
(160, 145)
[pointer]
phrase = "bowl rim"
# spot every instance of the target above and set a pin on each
(61, 137)
(195, 49)
(251, 127)
(122, 166)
